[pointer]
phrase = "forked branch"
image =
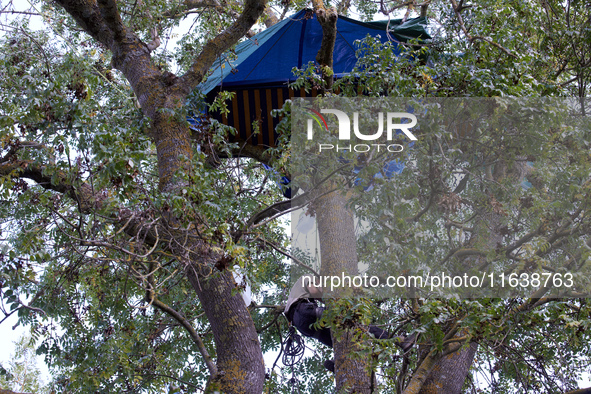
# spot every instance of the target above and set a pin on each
(471, 38)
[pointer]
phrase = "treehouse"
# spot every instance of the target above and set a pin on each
(259, 70)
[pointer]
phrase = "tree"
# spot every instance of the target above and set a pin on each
(160, 95)
(23, 374)
(117, 214)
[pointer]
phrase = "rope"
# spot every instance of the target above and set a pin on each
(292, 354)
(294, 348)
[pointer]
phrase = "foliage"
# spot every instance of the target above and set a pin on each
(70, 270)
(82, 127)
(438, 204)
(23, 374)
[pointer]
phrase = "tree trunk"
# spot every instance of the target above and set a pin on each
(449, 374)
(160, 95)
(239, 356)
(240, 363)
(338, 250)
(327, 17)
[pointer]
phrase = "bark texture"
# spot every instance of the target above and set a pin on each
(338, 250)
(449, 374)
(327, 17)
(336, 232)
(239, 358)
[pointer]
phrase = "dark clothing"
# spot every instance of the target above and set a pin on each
(302, 311)
(304, 314)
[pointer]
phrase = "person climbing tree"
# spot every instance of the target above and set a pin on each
(302, 311)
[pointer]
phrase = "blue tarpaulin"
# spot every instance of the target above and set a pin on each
(259, 69)
(270, 56)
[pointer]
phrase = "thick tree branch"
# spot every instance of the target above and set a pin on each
(133, 225)
(56, 180)
(430, 362)
(327, 17)
(424, 8)
(155, 43)
(82, 193)
(34, 172)
(130, 54)
(271, 19)
(88, 16)
(218, 45)
(419, 377)
(112, 19)
(279, 208)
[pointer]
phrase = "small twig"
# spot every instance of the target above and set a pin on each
(269, 324)
(20, 12)
(424, 210)
(32, 308)
(458, 9)
(288, 255)
(213, 371)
